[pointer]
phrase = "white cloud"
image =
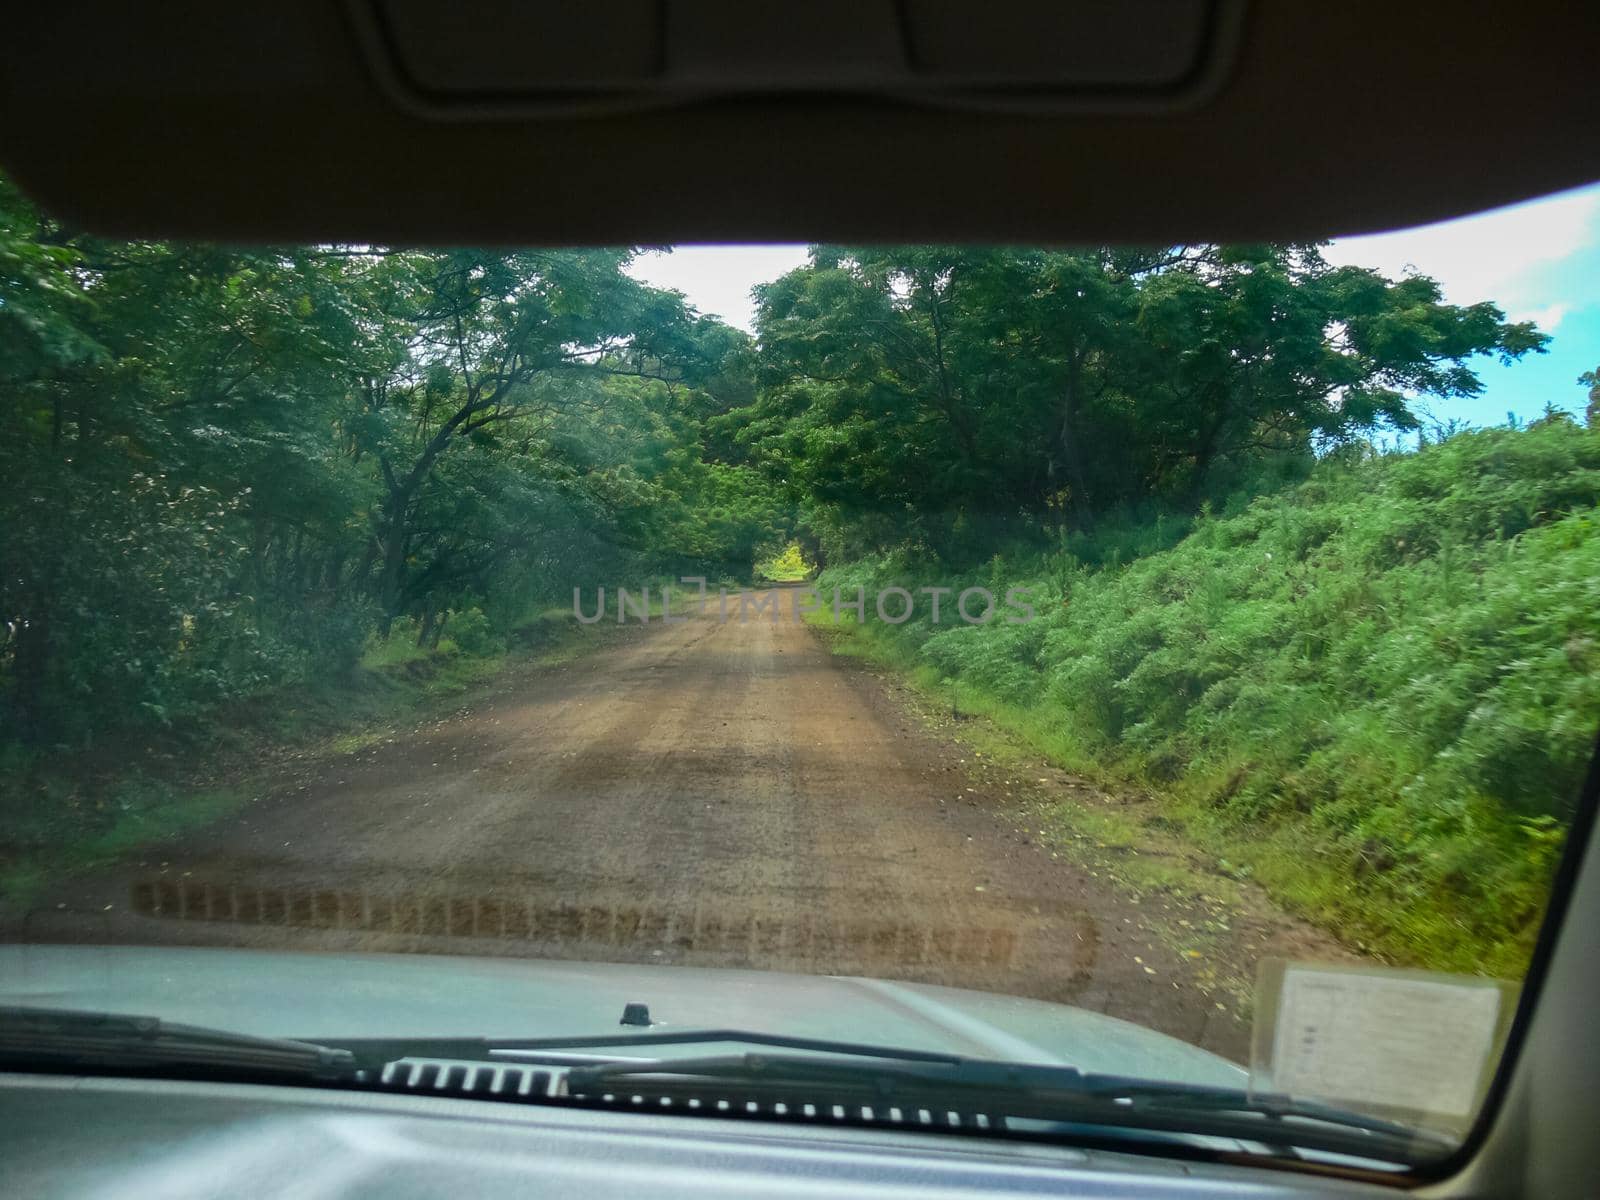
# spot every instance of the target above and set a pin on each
(718, 279)
(1546, 318)
(1496, 255)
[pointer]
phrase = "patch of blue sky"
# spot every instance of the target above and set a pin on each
(1539, 261)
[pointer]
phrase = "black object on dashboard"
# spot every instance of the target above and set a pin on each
(636, 1014)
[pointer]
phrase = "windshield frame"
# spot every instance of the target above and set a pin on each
(1539, 930)
(1580, 846)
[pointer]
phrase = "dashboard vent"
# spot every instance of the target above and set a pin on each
(809, 1107)
(484, 1081)
(513, 1083)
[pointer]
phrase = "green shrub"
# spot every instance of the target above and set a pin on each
(788, 566)
(1391, 669)
(471, 631)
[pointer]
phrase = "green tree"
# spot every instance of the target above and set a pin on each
(1591, 412)
(925, 391)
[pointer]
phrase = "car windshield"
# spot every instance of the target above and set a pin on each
(1166, 665)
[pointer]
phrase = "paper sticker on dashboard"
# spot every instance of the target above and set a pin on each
(1375, 1037)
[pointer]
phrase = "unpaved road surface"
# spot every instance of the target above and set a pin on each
(701, 793)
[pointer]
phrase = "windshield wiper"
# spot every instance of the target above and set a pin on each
(1056, 1094)
(884, 1076)
(374, 1052)
(832, 1072)
(57, 1038)
(71, 1038)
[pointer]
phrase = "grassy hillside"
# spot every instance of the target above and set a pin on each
(1376, 691)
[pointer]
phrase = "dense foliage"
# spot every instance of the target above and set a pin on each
(965, 396)
(1385, 680)
(226, 469)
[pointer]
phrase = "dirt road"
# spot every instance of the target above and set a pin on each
(701, 793)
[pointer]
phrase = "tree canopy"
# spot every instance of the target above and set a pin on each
(929, 385)
(228, 468)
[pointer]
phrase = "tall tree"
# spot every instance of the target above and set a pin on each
(917, 390)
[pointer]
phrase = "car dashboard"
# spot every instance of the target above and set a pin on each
(78, 1135)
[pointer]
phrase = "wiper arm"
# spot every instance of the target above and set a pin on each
(372, 1052)
(1019, 1091)
(833, 1071)
(58, 1038)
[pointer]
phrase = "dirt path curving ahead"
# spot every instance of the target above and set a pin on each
(719, 793)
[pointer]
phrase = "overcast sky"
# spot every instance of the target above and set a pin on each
(1539, 261)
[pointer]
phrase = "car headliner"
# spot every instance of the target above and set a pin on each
(278, 121)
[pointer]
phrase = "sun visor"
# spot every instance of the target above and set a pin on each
(473, 57)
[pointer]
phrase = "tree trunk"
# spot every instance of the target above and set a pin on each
(31, 664)
(1204, 455)
(1071, 455)
(391, 581)
(426, 626)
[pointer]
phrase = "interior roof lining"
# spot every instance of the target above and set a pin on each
(263, 122)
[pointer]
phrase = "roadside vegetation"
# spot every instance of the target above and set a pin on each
(789, 566)
(230, 472)
(1375, 692)
(264, 495)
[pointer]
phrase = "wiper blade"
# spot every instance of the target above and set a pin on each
(372, 1052)
(59, 1038)
(876, 1077)
(1000, 1090)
